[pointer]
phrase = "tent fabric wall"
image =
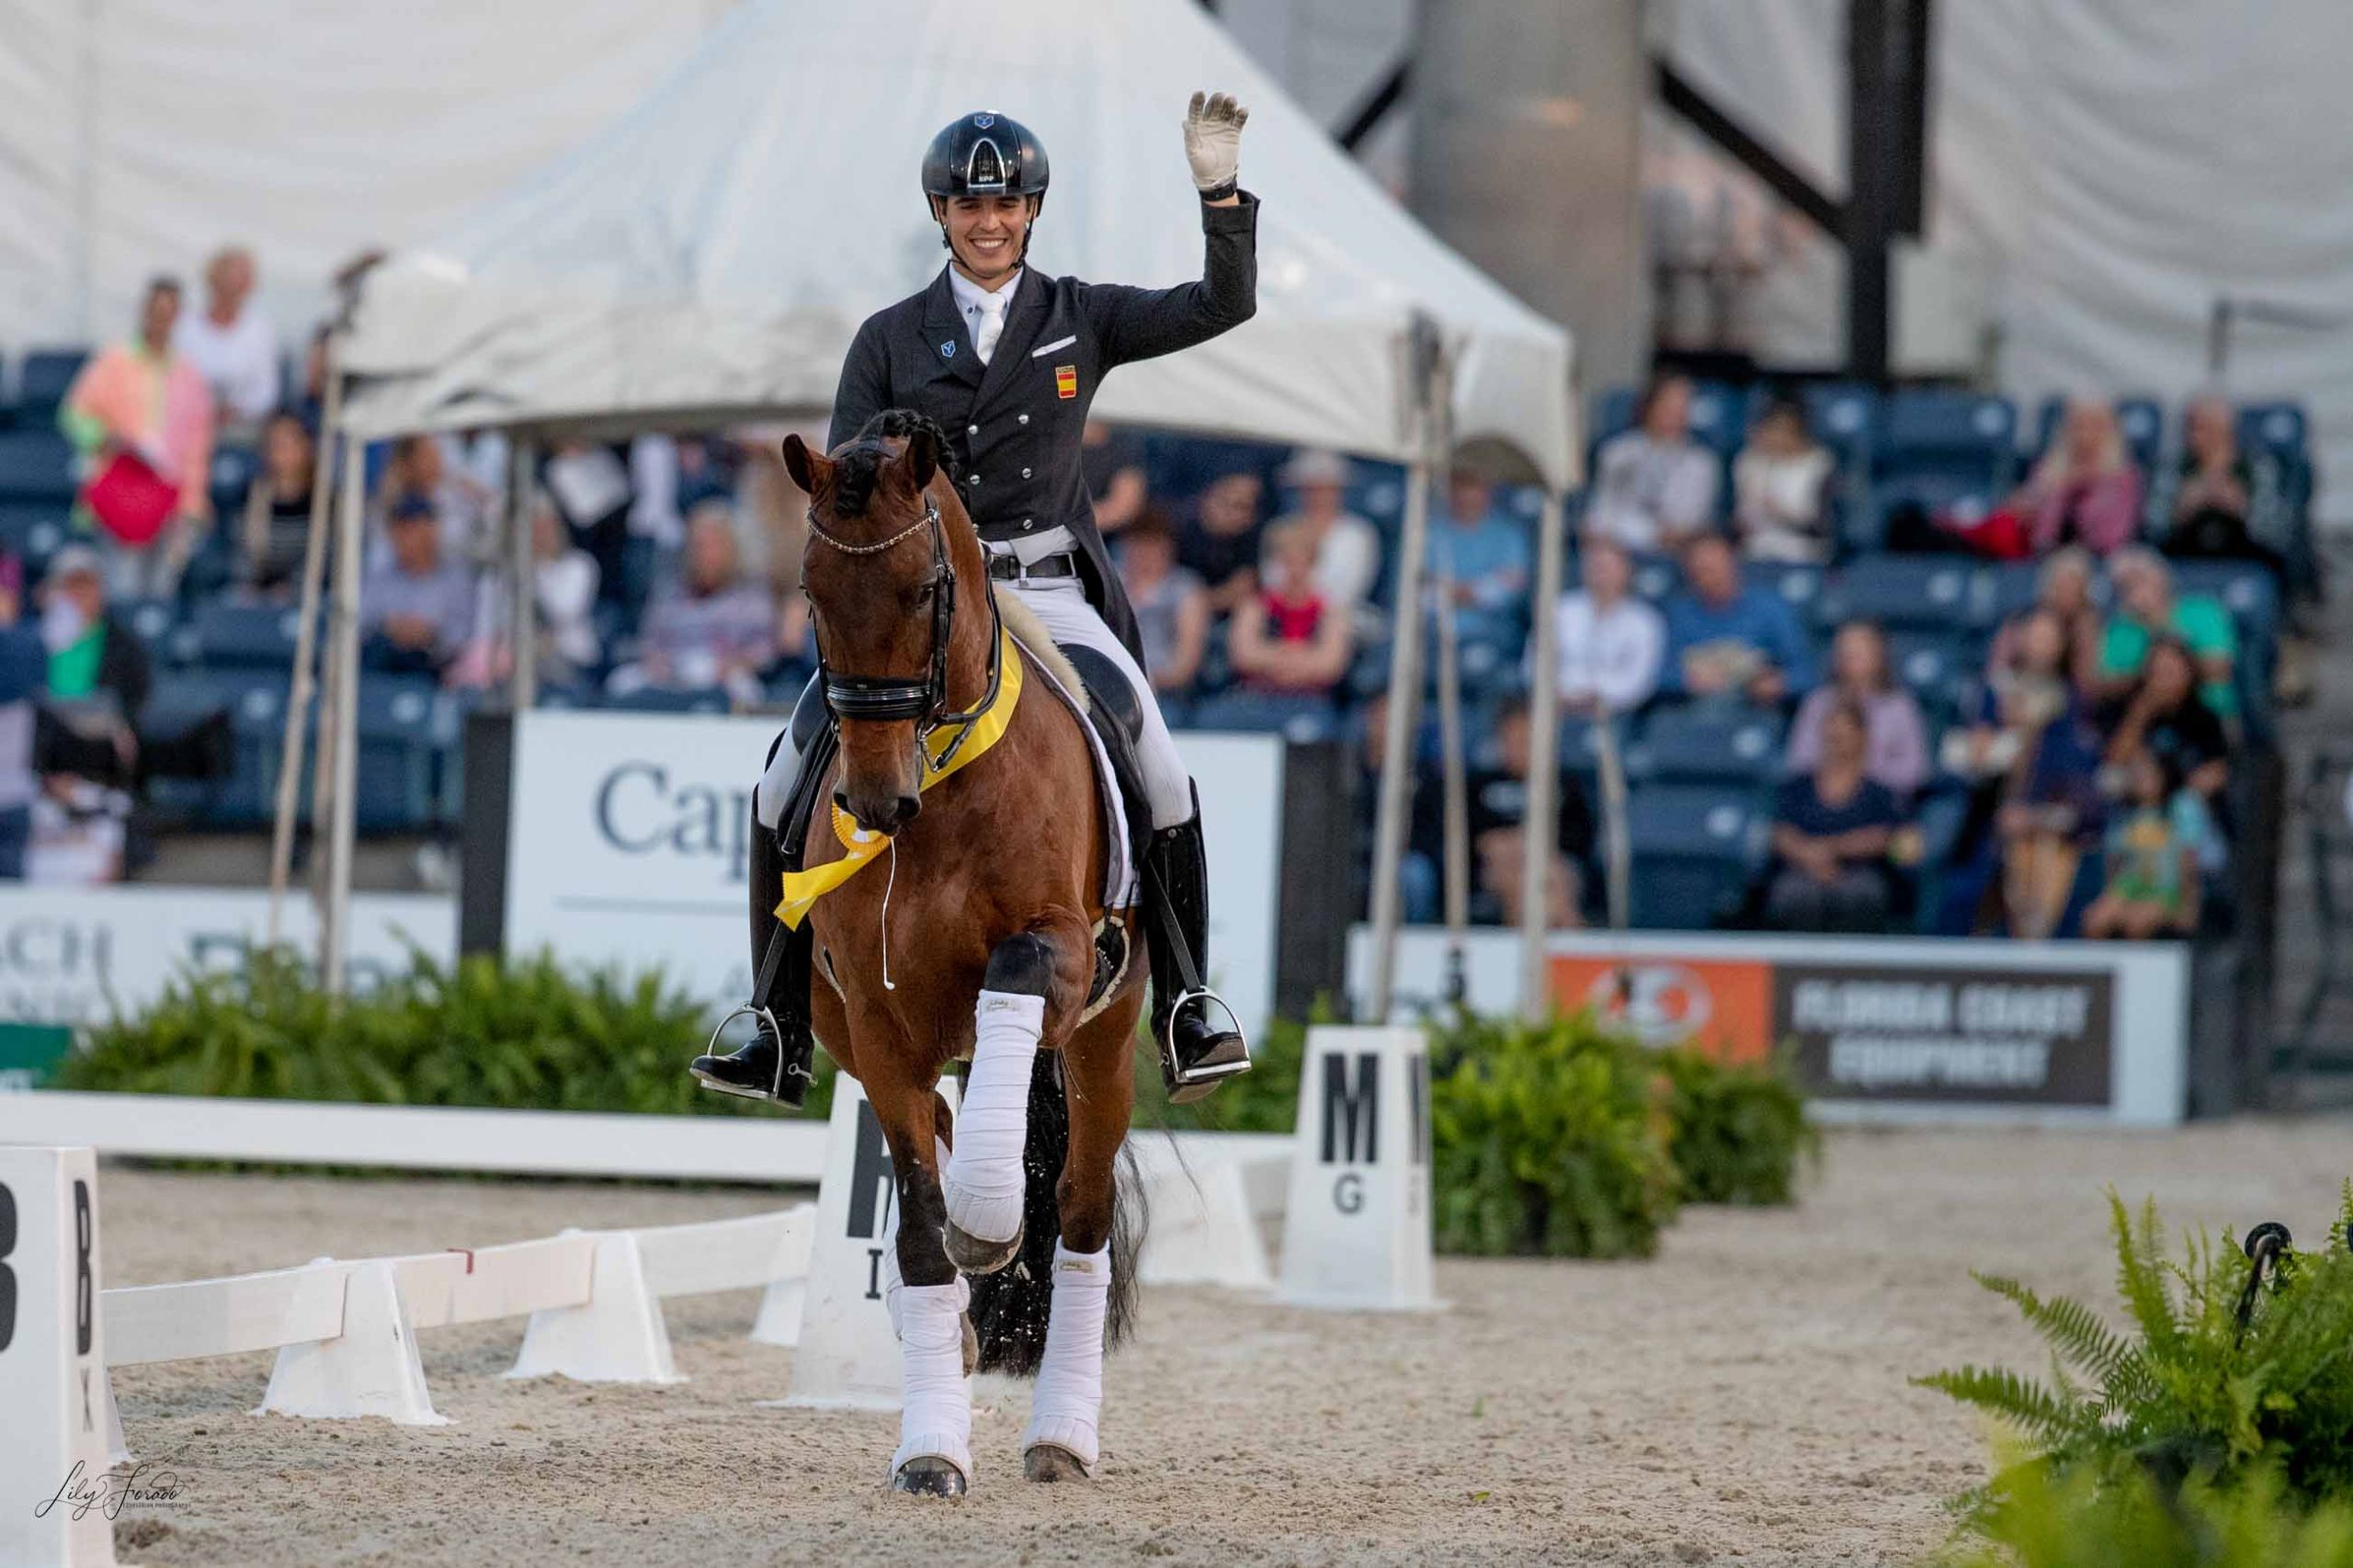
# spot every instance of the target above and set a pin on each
(138, 135)
(2116, 165)
(713, 251)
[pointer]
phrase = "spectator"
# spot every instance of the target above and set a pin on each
(2146, 608)
(2168, 717)
(1653, 485)
(1779, 482)
(1417, 882)
(2219, 493)
(1222, 545)
(1497, 798)
(563, 586)
(24, 664)
(1832, 831)
(1288, 643)
(416, 610)
(713, 626)
(2085, 490)
(1172, 607)
(2064, 588)
(1726, 639)
(1610, 643)
(142, 418)
(1112, 462)
(274, 532)
(2033, 765)
(99, 674)
(1479, 557)
(2156, 849)
(1895, 753)
(233, 346)
(1347, 548)
(419, 471)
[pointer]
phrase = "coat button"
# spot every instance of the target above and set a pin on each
(1024, 419)
(1025, 474)
(972, 429)
(974, 479)
(1025, 525)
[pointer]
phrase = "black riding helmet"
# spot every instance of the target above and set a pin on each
(984, 154)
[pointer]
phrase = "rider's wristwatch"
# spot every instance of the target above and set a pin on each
(1219, 193)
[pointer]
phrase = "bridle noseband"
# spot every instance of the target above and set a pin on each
(925, 699)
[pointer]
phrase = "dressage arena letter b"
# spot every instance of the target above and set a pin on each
(52, 1360)
(1357, 1232)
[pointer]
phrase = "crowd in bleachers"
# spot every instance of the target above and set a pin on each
(1868, 663)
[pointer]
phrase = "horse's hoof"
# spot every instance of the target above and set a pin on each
(928, 1475)
(974, 1255)
(1052, 1461)
(971, 1343)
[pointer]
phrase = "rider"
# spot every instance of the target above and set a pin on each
(1007, 361)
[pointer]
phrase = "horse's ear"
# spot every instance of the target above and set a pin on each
(921, 459)
(801, 463)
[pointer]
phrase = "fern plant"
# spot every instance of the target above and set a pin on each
(2198, 1386)
(2039, 1519)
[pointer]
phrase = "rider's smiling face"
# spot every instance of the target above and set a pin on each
(985, 233)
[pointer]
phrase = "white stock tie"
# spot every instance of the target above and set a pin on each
(990, 325)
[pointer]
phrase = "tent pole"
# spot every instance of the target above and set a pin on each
(1456, 786)
(306, 646)
(342, 721)
(1541, 834)
(1404, 673)
(523, 688)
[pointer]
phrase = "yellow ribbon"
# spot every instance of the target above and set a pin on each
(803, 889)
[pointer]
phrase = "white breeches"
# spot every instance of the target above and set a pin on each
(1062, 605)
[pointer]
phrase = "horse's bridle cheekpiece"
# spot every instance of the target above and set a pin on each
(922, 699)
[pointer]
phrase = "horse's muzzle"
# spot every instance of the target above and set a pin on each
(878, 812)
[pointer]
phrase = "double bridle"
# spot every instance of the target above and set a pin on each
(923, 699)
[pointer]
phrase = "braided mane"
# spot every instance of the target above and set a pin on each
(863, 459)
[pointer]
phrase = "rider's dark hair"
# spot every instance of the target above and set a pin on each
(853, 474)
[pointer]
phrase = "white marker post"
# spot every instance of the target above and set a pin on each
(847, 1357)
(1357, 1232)
(52, 1369)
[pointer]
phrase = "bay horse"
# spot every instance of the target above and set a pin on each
(980, 782)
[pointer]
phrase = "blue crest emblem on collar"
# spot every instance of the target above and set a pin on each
(948, 350)
(982, 121)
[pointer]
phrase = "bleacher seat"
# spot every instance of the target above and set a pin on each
(1900, 591)
(35, 465)
(153, 621)
(1843, 416)
(400, 731)
(255, 705)
(233, 636)
(1656, 576)
(1799, 583)
(1956, 438)
(33, 531)
(48, 374)
(2278, 428)
(1705, 745)
(668, 700)
(1719, 416)
(1696, 850)
(1613, 413)
(1937, 666)
(1580, 750)
(232, 475)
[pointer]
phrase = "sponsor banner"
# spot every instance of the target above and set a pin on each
(1891, 1028)
(627, 845)
(71, 956)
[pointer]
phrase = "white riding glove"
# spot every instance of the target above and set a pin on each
(1213, 141)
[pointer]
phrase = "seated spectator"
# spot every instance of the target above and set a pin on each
(2156, 845)
(98, 676)
(142, 417)
(1222, 544)
(1726, 640)
(2168, 717)
(2085, 490)
(1479, 558)
(711, 627)
(1289, 640)
(418, 471)
(1896, 739)
(418, 609)
(2219, 493)
(1610, 643)
(2033, 768)
(233, 346)
(1498, 802)
(2064, 586)
(1832, 831)
(1778, 480)
(24, 664)
(1112, 462)
(1347, 548)
(2146, 608)
(564, 587)
(1172, 608)
(1653, 486)
(274, 532)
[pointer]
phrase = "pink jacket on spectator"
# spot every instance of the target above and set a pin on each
(1895, 746)
(160, 409)
(2107, 512)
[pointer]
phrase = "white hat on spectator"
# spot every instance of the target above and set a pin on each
(75, 560)
(1312, 465)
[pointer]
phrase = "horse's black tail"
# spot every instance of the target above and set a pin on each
(1010, 1307)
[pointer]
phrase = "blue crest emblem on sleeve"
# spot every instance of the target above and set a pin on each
(948, 350)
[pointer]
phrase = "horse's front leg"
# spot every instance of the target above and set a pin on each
(1031, 995)
(934, 1455)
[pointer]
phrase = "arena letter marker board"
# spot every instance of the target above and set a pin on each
(52, 1366)
(1357, 1231)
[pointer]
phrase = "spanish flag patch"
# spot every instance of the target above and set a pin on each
(1066, 381)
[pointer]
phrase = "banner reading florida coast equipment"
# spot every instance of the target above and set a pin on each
(1879, 1029)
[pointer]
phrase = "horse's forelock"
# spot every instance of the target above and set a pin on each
(855, 472)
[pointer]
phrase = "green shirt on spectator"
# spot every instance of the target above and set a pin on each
(2200, 621)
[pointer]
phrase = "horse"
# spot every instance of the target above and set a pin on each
(984, 805)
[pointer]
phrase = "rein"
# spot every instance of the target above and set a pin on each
(925, 699)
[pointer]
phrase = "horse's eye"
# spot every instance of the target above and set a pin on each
(924, 594)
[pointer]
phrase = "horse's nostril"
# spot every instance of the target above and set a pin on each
(908, 806)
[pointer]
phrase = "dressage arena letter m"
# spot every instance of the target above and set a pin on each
(1351, 1122)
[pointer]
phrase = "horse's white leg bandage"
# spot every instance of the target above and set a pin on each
(935, 1408)
(983, 1181)
(1069, 1400)
(892, 1284)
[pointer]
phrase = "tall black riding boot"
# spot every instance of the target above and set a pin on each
(1197, 1050)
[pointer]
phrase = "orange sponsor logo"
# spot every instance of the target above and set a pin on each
(1723, 1005)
